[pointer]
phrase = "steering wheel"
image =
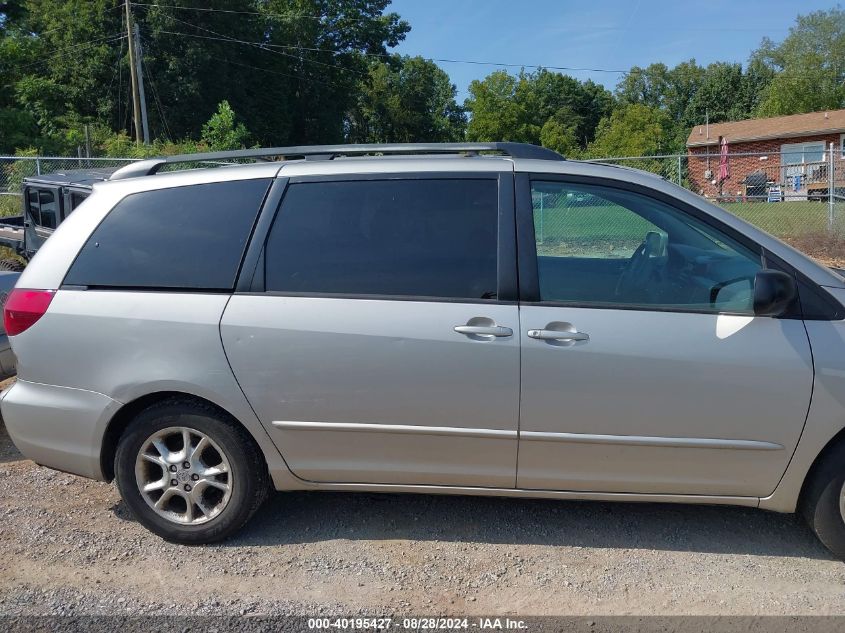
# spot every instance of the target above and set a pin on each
(646, 260)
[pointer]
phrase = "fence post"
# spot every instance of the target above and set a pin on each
(37, 166)
(679, 171)
(542, 217)
(831, 183)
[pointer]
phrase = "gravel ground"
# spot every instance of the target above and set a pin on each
(68, 546)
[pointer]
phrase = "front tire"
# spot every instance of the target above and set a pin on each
(188, 473)
(823, 501)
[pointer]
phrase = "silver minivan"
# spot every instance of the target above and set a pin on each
(477, 318)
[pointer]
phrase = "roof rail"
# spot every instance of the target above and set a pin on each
(328, 152)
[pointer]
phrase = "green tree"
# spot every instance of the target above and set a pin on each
(10, 11)
(808, 66)
(689, 94)
(292, 79)
(542, 108)
(70, 52)
(17, 130)
(52, 67)
(496, 113)
(648, 86)
(632, 130)
(223, 131)
(726, 93)
(406, 100)
(560, 134)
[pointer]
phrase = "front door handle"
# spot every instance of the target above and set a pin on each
(484, 330)
(558, 335)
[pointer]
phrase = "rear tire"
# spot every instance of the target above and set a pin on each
(188, 473)
(12, 265)
(823, 501)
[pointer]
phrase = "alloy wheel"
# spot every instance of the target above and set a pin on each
(183, 475)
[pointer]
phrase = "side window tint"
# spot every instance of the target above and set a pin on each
(427, 238)
(185, 237)
(598, 245)
(33, 206)
(581, 224)
(43, 207)
(76, 198)
(48, 203)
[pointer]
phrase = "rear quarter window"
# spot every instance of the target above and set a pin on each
(182, 238)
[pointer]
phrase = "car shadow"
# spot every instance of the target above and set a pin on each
(313, 517)
(8, 451)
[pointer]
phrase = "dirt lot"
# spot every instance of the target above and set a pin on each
(68, 546)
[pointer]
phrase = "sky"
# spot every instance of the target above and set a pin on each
(610, 35)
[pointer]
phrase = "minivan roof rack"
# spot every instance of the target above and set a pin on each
(328, 152)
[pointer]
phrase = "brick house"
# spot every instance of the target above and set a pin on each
(786, 152)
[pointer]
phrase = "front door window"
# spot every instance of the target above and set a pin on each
(598, 246)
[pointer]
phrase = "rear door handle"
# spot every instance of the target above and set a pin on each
(484, 330)
(558, 335)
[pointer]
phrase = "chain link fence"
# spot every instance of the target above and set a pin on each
(13, 170)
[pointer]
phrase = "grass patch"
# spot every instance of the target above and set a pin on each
(10, 205)
(592, 223)
(608, 231)
(785, 219)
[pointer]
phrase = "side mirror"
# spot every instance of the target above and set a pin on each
(773, 292)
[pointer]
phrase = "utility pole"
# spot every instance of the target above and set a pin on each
(136, 98)
(139, 58)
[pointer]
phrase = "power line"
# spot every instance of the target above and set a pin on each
(119, 87)
(271, 47)
(253, 44)
(63, 27)
(441, 60)
(275, 72)
(627, 27)
(108, 39)
(266, 46)
(537, 66)
(226, 38)
(456, 61)
(72, 56)
(157, 100)
(259, 45)
(333, 52)
(116, 74)
(280, 16)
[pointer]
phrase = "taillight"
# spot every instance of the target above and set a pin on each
(24, 307)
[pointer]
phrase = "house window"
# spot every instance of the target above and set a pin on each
(802, 163)
(842, 146)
